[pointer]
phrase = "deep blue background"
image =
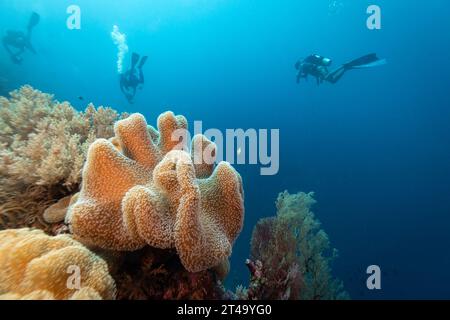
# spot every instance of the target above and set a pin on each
(375, 147)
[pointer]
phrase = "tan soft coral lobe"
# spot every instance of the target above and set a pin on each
(155, 193)
(36, 266)
(95, 217)
(203, 153)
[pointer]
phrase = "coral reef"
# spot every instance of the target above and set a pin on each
(290, 255)
(155, 193)
(43, 149)
(151, 193)
(153, 219)
(34, 266)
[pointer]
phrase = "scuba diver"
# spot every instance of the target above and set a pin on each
(317, 66)
(15, 42)
(130, 80)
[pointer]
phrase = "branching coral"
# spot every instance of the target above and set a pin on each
(36, 266)
(43, 146)
(45, 141)
(142, 188)
(292, 252)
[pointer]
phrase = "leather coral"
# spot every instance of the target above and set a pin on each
(143, 188)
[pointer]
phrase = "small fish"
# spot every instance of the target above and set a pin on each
(80, 98)
(239, 151)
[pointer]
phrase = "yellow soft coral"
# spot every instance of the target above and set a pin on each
(36, 266)
(145, 189)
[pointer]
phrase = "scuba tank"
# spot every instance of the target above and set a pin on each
(319, 60)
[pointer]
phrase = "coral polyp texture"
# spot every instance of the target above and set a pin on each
(143, 188)
(36, 266)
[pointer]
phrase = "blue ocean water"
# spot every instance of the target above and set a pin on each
(375, 147)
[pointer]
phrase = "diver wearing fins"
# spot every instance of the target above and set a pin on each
(130, 80)
(318, 67)
(15, 42)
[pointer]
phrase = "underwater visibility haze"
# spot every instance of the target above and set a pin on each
(339, 189)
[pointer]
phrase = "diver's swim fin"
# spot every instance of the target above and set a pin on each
(143, 61)
(367, 61)
(34, 20)
(379, 62)
(134, 60)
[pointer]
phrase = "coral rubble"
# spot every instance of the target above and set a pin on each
(289, 253)
(36, 266)
(154, 193)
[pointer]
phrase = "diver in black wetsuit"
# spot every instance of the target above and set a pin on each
(317, 66)
(130, 80)
(15, 42)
